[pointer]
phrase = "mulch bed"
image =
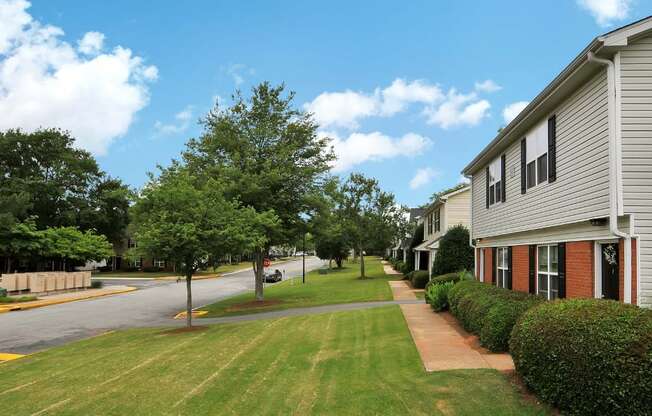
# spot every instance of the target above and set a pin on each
(254, 304)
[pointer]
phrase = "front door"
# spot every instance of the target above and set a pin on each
(609, 255)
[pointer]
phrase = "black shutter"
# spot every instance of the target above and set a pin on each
(503, 177)
(523, 166)
(561, 269)
(487, 193)
(552, 149)
(532, 275)
(509, 268)
(493, 265)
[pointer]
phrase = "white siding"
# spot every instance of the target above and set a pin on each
(581, 190)
(636, 113)
(458, 210)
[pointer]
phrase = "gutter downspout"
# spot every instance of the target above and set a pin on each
(613, 117)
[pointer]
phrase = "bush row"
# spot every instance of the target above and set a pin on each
(587, 356)
(488, 311)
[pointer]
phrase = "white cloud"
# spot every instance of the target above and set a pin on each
(45, 82)
(399, 94)
(358, 148)
(457, 110)
(512, 110)
(181, 124)
(606, 12)
(342, 109)
(423, 177)
(463, 179)
(91, 43)
(487, 86)
(238, 72)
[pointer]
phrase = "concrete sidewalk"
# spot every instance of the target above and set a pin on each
(441, 342)
(65, 298)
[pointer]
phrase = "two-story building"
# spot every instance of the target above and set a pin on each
(562, 196)
(448, 210)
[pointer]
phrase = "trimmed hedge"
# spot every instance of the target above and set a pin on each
(437, 295)
(419, 279)
(488, 311)
(587, 356)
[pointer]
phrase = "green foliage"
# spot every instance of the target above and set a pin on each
(437, 295)
(16, 299)
(68, 243)
(587, 356)
(417, 238)
(444, 278)
(488, 311)
(419, 279)
(96, 284)
(332, 241)
(454, 253)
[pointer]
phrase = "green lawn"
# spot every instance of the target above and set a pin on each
(338, 286)
(346, 363)
(16, 299)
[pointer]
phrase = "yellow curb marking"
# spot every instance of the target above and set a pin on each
(8, 357)
(195, 314)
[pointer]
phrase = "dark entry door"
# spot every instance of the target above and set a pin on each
(423, 260)
(609, 254)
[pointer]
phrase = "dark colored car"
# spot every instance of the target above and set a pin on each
(274, 277)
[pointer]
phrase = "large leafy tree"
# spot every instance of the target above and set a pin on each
(455, 253)
(269, 157)
(187, 219)
(371, 216)
(61, 185)
(332, 240)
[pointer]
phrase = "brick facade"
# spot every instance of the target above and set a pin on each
(579, 269)
(488, 265)
(520, 268)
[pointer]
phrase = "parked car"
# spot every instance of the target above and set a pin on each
(274, 277)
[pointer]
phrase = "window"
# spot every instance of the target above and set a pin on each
(547, 271)
(495, 181)
(437, 225)
(131, 243)
(430, 223)
(137, 263)
(159, 263)
(502, 268)
(537, 155)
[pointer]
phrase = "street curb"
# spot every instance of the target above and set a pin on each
(4, 357)
(41, 304)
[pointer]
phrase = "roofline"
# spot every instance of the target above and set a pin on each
(444, 198)
(580, 60)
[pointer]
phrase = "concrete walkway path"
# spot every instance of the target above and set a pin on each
(441, 342)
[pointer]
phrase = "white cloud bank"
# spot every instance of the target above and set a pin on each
(423, 177)
(606, 12)
(362, 147)
(345, 109)
(512, 110)
(180, 124)
(47, 82)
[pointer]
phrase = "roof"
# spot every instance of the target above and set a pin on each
(443, 198)
(578, 70)
(424, 246)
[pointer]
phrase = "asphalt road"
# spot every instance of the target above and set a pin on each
(28, 331)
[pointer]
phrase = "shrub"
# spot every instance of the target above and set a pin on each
(454, 253)
(152, 269)
(405, 268)
(587, 356)
(444, 278)
(419, 279)
(437, 295)
(96, 284)
(488, 311)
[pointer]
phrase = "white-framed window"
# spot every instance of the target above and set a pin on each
(159, 263)
(547, 271)
(495, 181)
(536, 155)
(437, 220)
(502, 267)
(429, 218)
(137, 263)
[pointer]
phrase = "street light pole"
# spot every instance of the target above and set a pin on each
(304, 258)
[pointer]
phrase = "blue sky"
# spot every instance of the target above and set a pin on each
(406, 82)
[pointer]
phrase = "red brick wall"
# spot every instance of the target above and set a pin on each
(579, 269)
(621, 272)
(520, 268)
(488, 265)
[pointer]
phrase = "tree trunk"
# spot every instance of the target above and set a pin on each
(362, 275)
(189, 299)
(259, 257)
(8, 264)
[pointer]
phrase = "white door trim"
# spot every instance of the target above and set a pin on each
(597, 265)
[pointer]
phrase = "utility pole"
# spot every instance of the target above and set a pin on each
(304, 258)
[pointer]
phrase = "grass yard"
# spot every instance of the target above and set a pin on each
(345, 363)
(338, 286)
(16, 299)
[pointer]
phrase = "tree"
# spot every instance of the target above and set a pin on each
(269, 157)
(187, 220)
(454, 253)
(370, 216)
(70, 246)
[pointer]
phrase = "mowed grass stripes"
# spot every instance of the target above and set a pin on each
(345, 363)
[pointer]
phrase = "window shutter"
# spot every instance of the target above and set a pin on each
(494, 264)
(503, 176)
(523, 166)
(552, 149)
(561, 269)
(532, 274)
(509, 267)
(487, 190)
